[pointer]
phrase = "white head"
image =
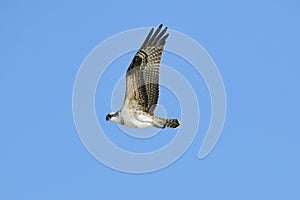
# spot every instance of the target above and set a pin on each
(114, 117)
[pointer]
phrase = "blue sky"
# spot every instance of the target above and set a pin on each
(255, 45)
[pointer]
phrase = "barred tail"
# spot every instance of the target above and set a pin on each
(162, 123)
(172, 123)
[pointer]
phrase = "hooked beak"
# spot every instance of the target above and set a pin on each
(107, 117)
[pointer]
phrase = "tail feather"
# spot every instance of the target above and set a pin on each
(172, 123)
(162, 123)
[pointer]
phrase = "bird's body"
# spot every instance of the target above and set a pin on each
(142, 86)
(136, 119)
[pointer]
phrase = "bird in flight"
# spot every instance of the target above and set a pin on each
(142, 86)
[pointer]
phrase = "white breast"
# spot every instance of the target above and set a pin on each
(136, 119)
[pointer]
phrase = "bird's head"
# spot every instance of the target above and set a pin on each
(111, 116)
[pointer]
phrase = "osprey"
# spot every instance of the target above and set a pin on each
(142, 86)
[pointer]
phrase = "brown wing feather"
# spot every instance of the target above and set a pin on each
(142, 78)
(153, 48)
(136, 94)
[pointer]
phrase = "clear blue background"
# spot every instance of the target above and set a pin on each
(256, 47)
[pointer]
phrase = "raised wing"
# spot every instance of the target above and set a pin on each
(142, 77)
